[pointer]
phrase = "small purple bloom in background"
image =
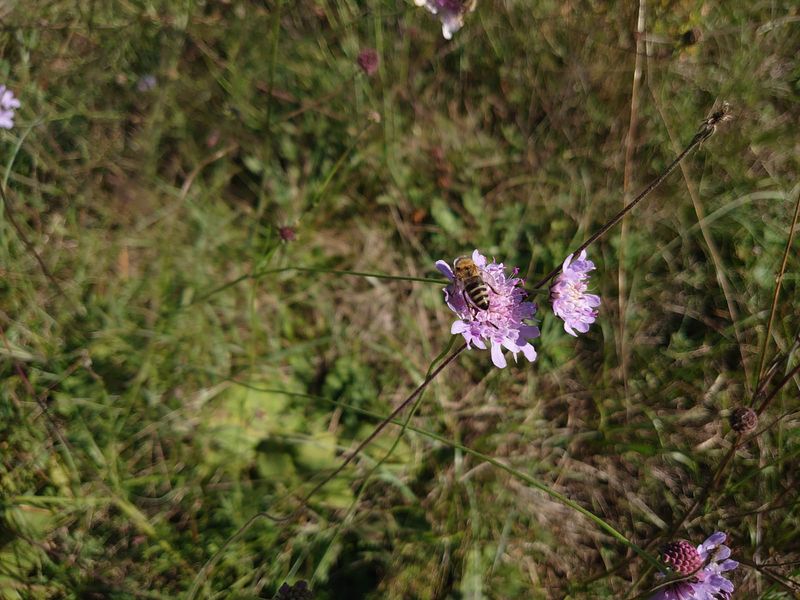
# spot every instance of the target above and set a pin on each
(287, 233)
(368, 61)
(503, 323)
(8, 104)
(707, 583)
(146, 83)
(450, 12)
(568, 294)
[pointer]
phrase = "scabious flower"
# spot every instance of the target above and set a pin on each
(8, 104)
(707, 583)
(503, 324)
(147, 83)
(568, 294)
(450, 12)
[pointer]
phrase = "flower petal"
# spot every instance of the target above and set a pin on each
(728, 565)
(528, 352)
(497, 356)
(445, 269)
(479, 259)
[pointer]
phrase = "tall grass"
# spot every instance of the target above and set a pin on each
(174, 364)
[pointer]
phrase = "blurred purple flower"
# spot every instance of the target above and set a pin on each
(707, 583)
(568, 294)
(368, 61)
(8, 104)
(503, 323)
(287, 233)
(146, 83)
(450, 12)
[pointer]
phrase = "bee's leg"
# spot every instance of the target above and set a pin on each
(473, 309)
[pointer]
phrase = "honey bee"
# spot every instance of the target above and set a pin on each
(470, 283)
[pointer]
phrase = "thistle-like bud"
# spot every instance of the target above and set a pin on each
(287, 233)
(682, 556)
(743, 420)
(368, 61)
(298, 591)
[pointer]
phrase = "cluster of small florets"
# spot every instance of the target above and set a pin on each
(505, 324)
(701, 568)
(508, 322)
(450, 12)
(8, 105)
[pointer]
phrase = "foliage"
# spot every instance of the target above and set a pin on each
(168, 374)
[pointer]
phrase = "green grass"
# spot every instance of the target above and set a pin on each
(173, 368)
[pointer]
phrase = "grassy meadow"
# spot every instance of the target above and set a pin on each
(217, 247)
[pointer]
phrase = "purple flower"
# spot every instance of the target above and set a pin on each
(568, 295)
(450, 12)
(8, 104)
(707, 583)
(503, 323)
(368, 61)
(146, 83)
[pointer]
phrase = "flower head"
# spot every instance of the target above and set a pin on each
(450, 12)
(503, 324)
(146, 83)
(368, 61)
(8, 104)
(707, 583)
(568, 294)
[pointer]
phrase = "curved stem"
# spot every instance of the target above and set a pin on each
(706, 130)
(203, 573)
(776, 293)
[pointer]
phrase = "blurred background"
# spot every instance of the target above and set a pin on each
(168, 372)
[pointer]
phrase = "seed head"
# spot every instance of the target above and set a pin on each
(743, 420)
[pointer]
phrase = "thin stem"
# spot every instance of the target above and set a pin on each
(30, 247)
(516, 474)
(706, 130)
(203, 573)
(778, 282)
(262, 273)
(382, 425)
(777, 389)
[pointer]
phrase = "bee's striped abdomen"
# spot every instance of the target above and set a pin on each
(477, 292)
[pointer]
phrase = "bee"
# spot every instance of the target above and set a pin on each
(470, 283)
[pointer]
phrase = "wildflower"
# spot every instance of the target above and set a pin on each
(450, 12)
(8, 104)
(368, 61)
(503, 324)
(705, 564)
(568, 294)
(146, 83)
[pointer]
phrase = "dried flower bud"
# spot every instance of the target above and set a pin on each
(286, 233)
(368, 61)
(692, 36)
(298, 591)
(682, 556)
(743, 420)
